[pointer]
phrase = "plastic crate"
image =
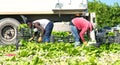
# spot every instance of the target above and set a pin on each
(65, 39)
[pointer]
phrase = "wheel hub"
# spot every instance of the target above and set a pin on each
(8, 32)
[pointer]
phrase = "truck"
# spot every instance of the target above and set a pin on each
(15, 12)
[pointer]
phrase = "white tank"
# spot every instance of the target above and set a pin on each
(40, 6)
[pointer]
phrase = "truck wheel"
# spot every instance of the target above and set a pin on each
(8, 30)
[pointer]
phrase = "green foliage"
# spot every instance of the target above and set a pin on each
(61, 34)
(24, 32)
(32, 53)
(116, 62)
(111, 34)
(23, 53)
(106, 15)
(36, 61)
(21, 26)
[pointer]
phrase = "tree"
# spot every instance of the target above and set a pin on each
(106, 15)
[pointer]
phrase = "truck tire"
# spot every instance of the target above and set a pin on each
(8, 30)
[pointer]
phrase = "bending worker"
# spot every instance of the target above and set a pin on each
(79, 26)
(45, 27)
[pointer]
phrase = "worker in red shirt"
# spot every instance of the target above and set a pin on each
(79, 26)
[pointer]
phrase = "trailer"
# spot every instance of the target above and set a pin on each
(15, 12)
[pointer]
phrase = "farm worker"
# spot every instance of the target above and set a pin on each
(45, 27)
(79, 26)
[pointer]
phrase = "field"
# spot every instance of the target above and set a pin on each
(63, 52)
(32, 53)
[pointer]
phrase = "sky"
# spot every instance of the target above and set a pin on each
(109, 2)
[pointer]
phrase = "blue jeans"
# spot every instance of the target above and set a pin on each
(75, 34)
(48, 30)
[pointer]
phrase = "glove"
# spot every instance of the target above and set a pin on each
(31, 38)
(40, 39)
(85, 43)
(35, 29)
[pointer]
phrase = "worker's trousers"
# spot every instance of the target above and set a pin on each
(75, 35)
(48, 30)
